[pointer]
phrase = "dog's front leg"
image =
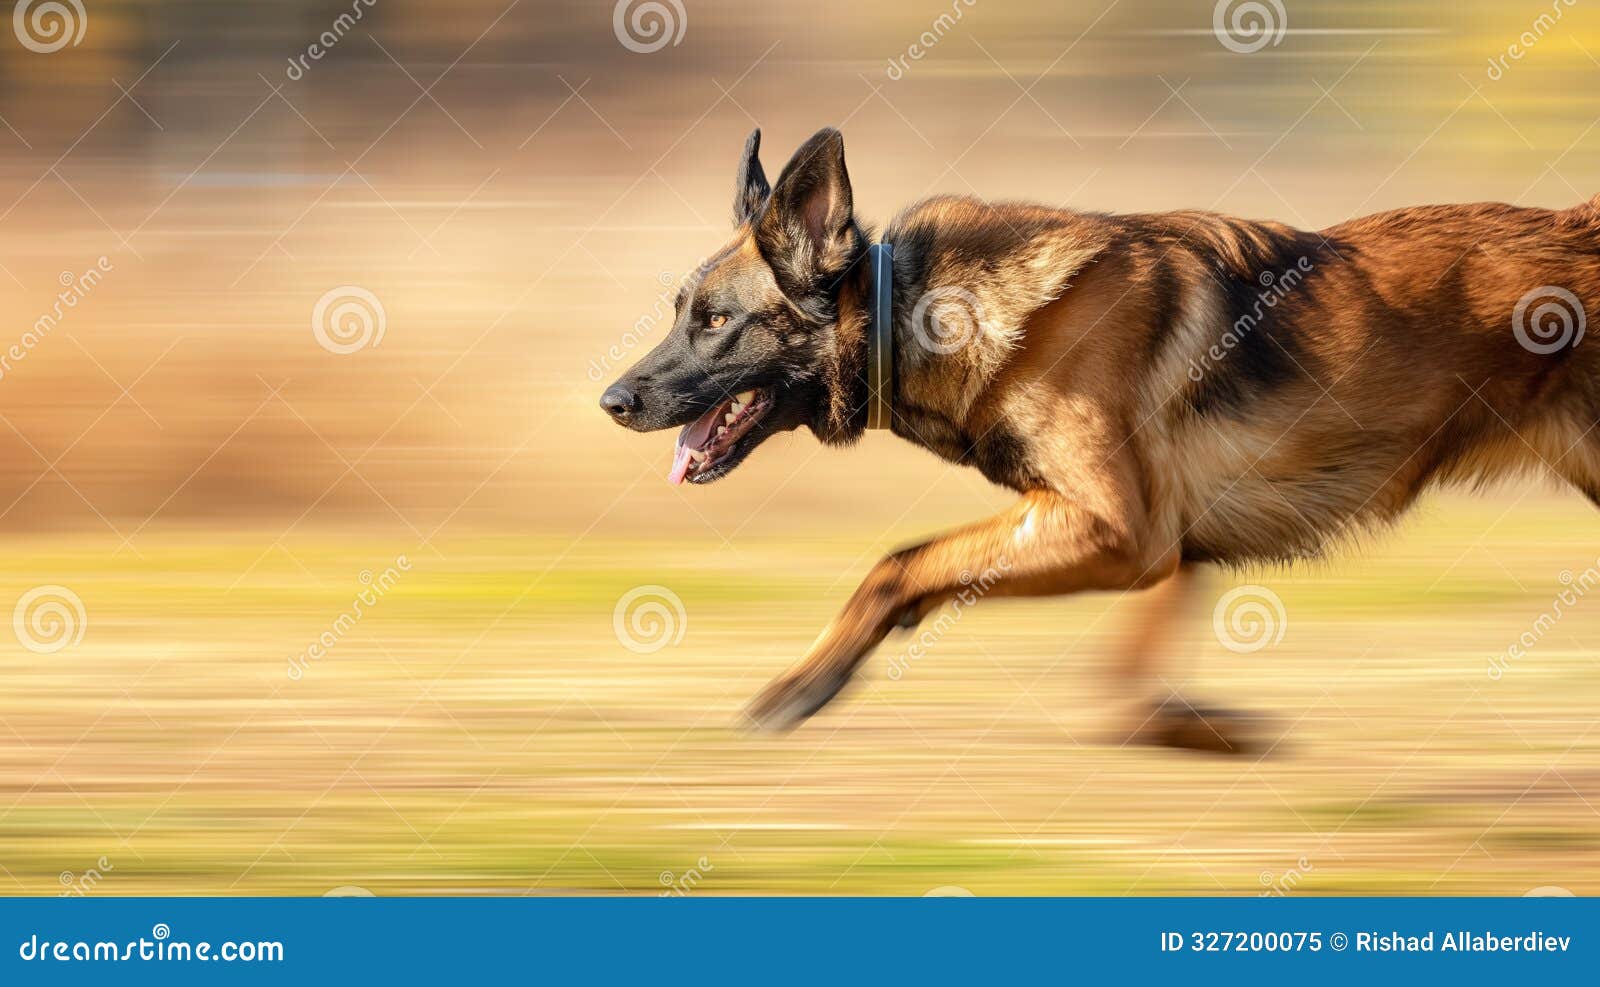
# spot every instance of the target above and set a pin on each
(1045, 545)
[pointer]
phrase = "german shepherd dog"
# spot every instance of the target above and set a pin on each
(1165, 391)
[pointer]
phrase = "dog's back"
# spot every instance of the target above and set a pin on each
(1283, 388)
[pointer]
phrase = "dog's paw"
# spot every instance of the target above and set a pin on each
(789, 700)
(1183, 725)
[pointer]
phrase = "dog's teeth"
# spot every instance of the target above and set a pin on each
(697, 455)
(744, 397)
(721, 431)
(729, 419)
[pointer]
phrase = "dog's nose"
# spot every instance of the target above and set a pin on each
(619, 402)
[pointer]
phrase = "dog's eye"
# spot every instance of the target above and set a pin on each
(717, 321)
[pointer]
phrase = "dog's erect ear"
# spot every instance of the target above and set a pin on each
(750, 188)
(807, 229)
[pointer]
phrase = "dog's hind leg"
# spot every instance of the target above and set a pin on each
(1045, 545)
(1137, 667)
(1147, 703)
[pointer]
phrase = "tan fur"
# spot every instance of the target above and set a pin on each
(1399, 368)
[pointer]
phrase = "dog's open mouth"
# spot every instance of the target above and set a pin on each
(709, 443)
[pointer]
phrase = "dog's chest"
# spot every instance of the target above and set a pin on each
(1000, 453)
(1230, 496)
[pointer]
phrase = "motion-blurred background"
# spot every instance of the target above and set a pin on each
(307, 306)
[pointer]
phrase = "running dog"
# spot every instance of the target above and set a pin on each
(1165, 391)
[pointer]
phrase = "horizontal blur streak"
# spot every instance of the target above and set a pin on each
(483, 728)
(518, 220)
(520, 193)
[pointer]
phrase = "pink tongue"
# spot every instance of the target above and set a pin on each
(694, 436)
(680, 464)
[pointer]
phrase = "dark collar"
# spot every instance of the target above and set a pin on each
(880, 337)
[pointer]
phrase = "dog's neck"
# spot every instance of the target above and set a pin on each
(880, 337)
(968, 278)
(845, 418)
(964, 283)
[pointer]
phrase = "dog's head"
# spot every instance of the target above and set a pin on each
(756, 345)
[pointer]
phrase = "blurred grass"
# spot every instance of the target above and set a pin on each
(481, 728)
